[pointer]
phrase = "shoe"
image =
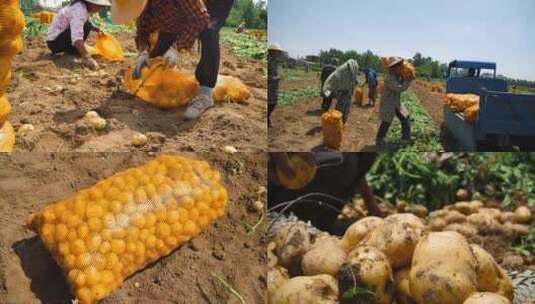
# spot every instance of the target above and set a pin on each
(198, 105)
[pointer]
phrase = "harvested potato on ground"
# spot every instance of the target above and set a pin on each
(319, 289)
(438, 214)
(492, 212)
(418, 210)
(484, 222)
(402, 288)
(402, 206)
(522, 215)
(276, 277)
(455, 216)
(464, 208)
(514, 231)
(466, 229)
(325, 257)
(443, 269)
(490, 276)
(437, 224)
(273, 260)
(476, 205)
(397, 238)
(462, 194)
(486, 298)
(359, 230)
(369, 268)
(293, 241)
(507, 217)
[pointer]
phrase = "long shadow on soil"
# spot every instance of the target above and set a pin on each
(47, 281)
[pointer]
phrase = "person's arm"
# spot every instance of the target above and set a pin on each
(165, 42)
(392, 84)
(77, 18)
(369, 200)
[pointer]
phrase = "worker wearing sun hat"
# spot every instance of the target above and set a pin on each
(179, 23)
(71, 27)
(394, 85)
(340, 85)
(275, 52)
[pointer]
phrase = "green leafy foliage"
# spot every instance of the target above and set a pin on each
(357, 292)
(526, 246)
(33, 27)
(108, 27)
(291, 96)
(298, 74)
(253, 13)
(432, 179)
(244, 45)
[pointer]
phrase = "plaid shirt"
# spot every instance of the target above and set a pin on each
(186, 18)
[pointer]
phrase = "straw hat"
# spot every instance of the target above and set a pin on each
(275, 47)
(392, 61)
(125, 11)
(100, 2)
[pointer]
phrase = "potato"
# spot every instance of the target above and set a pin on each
(522, 215)
(514, 231)
(454, 216)
(397, 238)
(443, 269)
(320, 289)
(293, 241)
(418, 210)
(486, 298)
(438, 214)
(466, 229)
(493, 212)
(369, 268)
(437, 224)
(276, 277)
(490, 276)
(325, 257)
(402, 288)
(475, 205)
(358, 230)
(402, 206)
(485, 222)
(462, 194)
(464, 208)
(507, 217)
(273, 260)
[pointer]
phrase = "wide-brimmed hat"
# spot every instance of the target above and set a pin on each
(392, 61)
(126, 11)
(275, 47)
(100, 2)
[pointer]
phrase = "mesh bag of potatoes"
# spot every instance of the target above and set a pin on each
(332, 127)
(407, 69)
(7, 137)
(105, 233)
(470, 113)
(107, 46)
(460, 102)
(44, 16)
(167, 87)
(358, 96)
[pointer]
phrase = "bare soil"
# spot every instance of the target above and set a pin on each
(28, 274)
(56, 116)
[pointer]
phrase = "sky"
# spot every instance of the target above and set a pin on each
(487, 30)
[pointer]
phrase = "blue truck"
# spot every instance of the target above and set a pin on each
(505, 121)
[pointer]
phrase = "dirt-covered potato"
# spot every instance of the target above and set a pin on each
(466, 229)
(455, 216)
(325, 257)
(437, 224)
(402, 288)
(490, 276)
(397, 238)
(443, 269)
(418, 210)
(462, 194)
(368, 268)
(273, 260)
(293, 241)
(276, 277)
(320, 289)
(438, 214)
(358, 230)
(464, 208)
(492, 212)
(522, 215)
(485, 222)
(476, 205)
(507, 216)
(514, 231)
(486, 298)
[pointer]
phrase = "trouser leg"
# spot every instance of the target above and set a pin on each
(405, 126)
(208, 67)
(271, 107)
(63, 43)
(343, 105)
(383, 129)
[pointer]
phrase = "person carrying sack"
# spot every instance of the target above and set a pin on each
(340, 85)
(70, 28)
(394, 85)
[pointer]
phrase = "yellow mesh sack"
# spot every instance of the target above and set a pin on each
(44, 16)
(358, 96)
(7, 137)
(10, 47)
(161, 86)
(5, 73)
(11, 19)
(304, 173)
(230, 88)
(105, 233)
(408, 70)
(5, 109)
(107, 46)
(470, 113)
(459, 102)
(332, 126)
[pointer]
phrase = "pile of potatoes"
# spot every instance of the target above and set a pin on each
(398, 259)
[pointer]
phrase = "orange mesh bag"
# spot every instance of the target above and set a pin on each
(11, 19)
(408, 70)
(230, 88)
(5, 109)
(384, 60)
(105, 233)
(358, 96)
(471, 113)
(108, 47)
(7, 137)
(459, 102)
(44, 16)
(10, 48)
(162, 86)
(5, 74)
(332, 126)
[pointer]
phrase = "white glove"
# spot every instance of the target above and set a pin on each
(327, 93)
(171, 57)
(141, 61)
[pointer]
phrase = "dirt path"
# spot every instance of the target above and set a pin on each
(297, 127)
(29, 181)
(56, 116)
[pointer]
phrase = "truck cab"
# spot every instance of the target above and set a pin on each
(465, 77)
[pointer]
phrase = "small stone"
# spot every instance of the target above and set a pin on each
(218, 255)
(230, 149)
(136, 285)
